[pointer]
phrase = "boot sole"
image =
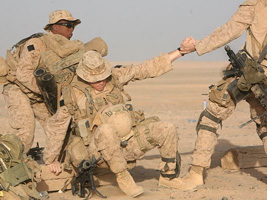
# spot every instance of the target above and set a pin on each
(138, 193)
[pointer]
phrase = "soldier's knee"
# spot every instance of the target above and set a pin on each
(207, 121)
(105, 137)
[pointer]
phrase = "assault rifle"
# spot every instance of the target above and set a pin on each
(259, 90)
(85, 176)
(36, 153)
(237, 60)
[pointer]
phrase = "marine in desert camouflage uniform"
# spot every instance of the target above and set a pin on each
(108, 126)
(250, 17)
(22, 95)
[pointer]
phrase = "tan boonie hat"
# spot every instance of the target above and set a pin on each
(92, 67)
(58, 15)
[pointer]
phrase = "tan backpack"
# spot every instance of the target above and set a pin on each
(16, 177)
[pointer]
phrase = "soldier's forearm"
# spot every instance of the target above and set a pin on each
(173, 55)
(231, 30)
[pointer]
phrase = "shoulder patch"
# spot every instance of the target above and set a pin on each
(30, 47)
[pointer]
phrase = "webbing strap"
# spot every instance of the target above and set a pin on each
(211, 117)
(263, 135)
(66, 92)
(172, 160)
(89, 99)
(207, 128)
(170, 176)
(263, 54)
(36, 35)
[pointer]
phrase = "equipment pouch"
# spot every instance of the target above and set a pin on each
(16, 175)
(142, 133)
(77, 151)
(219, 94)
(253, 73)
(84, 129)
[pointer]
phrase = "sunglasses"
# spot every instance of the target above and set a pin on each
(67, 24)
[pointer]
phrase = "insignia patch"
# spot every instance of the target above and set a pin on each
(61, 103)
(30, 47)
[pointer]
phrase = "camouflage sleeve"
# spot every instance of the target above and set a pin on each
(231, 30)
(56, 129)
(149, 69)
(28, 62)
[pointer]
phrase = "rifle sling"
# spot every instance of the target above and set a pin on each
(263, 54)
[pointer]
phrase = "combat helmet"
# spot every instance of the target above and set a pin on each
(120, 118)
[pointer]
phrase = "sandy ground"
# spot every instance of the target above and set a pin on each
(178, 97)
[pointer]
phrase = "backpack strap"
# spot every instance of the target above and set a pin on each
(35, 35)
(263, 54)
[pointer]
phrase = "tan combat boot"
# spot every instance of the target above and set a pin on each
(193, 179)
(170, 183)
(127, 184)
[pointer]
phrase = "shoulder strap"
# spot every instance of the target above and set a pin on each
(35, 35)
(263, 54)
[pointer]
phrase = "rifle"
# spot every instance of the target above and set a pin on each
(48, 87)
(85, 176)
(36, 153)
(238, 62)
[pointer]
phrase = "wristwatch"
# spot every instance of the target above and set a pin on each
(179, 49)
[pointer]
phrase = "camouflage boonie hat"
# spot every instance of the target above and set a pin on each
(92, 67)
(58, 15)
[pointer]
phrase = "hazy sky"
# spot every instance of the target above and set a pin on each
(135, 30)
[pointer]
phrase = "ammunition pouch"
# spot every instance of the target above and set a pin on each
(167, 169)
(207, 114)
(236, 94)
(84, 130)
(218, 93)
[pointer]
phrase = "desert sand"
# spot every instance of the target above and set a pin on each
(178, 97)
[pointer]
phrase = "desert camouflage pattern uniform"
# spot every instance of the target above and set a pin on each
(104, 140)
(250, 17)
(25, 103)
